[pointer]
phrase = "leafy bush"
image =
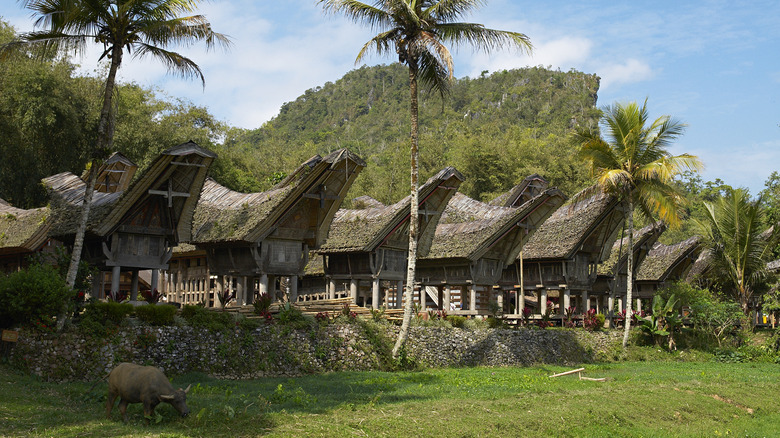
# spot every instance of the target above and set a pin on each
(292, 317)
(102, 318)
(110, 312)
(593, 321)
(37, 293)
(494, 322)
(457, 320)
(156, 314)
(198, 316)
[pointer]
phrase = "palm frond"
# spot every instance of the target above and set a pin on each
(176, 63)
(359, 12)
(482, 38)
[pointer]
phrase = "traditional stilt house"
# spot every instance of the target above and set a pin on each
(612, 278)
(474, 243)
(22, 234)
(253, 240)
(665, 264)
(529, 188)
(562, 256)
(370, 244)
(134, 228)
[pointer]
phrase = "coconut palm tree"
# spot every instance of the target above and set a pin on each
(632, 163)
(140, 27)
(416, 31)
(740, 248)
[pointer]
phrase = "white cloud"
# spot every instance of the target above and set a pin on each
(746, 165)
(630, 71)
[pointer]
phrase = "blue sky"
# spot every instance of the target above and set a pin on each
(715, 65)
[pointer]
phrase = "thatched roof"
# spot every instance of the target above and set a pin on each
(180, 169)
(518, 195)
(315, 266)
(700, 266)
(363, 230)
(22, 230)
(469, 228)
(560, 236)
(224, 215)
(115, 174)
(618, 256)
(662, 259)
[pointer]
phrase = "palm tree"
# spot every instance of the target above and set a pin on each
(142, 27)
(416, 31)
(633, 163)
(732, 231)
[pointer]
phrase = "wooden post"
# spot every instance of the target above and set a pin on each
(447, 297)
(353, 290)
(542, 301)
(610, 309)
(375, 293)
(520, 300)
(399, 294)
(134, 286)
(115, 274)
(263, 286)
(585, 302)
(473, 297)
(331, 289)
(293, 288)
(566, 302)
(423, 298)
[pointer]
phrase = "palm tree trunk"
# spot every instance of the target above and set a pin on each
(403, 334)
(629, 270)
(104, 140)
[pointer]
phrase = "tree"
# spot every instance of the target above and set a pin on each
(732, 231)
(416, 31)
(142, 27)
(633, 164)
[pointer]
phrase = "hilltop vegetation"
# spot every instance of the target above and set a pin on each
(496, 129)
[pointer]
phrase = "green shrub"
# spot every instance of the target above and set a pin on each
(32, 295)
(494, 322)
(457, 320)
(197, 316)
(103, 318)
(292, 317)
(107, 312)
(158, 314)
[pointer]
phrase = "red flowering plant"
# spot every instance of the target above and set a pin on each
(262, 305)
(152, 297)
(117, 296)
(568, 317)
(527, 312)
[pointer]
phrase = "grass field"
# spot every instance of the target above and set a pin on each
(640, 399)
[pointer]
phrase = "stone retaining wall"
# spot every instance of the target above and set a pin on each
(276, 350)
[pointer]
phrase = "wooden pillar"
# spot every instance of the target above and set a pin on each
(473, 297)
(96, 285)
(447, 297)
(610, 309)
(565, 302)
(520, 301)
(220, 288)
(293, 288)
(585, 306)
(399, 294)
(331, 288)
(116, 272)
(134, 286)
(542, 301)
(353, 290)
(638, 307)
(375, 293)
(423, 298)
(155, 279)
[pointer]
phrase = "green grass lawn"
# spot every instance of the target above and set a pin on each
(639, 399)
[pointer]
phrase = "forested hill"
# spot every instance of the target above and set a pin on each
(496, 129)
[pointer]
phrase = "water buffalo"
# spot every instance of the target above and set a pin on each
(139, 384)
